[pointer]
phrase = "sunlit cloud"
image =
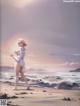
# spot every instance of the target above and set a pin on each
(19, 3)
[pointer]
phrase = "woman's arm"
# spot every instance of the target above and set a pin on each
(14, 57)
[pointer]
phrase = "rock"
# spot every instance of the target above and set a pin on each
(3, 96)
(11, 78)
(31, 93)
(53, 85)
(8, 82)
(76, 70)
(43, 84)
(44, 91)
(13, 97)
(67, 99)
(8, 104)
(23, 93)
(68, 85)
(17, 94)
(22, 97)
(59, 78)
(75, 86)
(65, 85)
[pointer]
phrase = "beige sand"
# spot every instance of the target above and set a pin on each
(41, 96)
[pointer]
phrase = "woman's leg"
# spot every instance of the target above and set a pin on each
(24, 78)
(22, 73)
(17, 74)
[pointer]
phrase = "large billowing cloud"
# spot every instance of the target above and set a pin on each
(52, 26)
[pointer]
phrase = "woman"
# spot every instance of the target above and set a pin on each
(20, 55)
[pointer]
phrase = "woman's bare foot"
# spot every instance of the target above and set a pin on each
(28, 88)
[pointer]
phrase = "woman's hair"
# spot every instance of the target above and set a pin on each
(22, 42)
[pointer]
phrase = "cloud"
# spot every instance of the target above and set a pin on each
(51, 26)
(76, 54)
(19, 3)
(70, 64)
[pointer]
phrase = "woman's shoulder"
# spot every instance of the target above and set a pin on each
(23, 49)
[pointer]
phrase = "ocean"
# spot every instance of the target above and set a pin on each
(8, 74)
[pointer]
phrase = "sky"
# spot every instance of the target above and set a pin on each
(51, 29)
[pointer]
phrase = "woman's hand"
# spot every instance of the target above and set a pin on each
(17, 52)
(11, 55)
(14, 57)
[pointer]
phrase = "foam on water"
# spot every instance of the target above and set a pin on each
(50, 77)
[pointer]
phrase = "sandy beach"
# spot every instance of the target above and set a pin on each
(40, 96)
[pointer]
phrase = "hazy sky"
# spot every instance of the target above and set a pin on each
(50, 27)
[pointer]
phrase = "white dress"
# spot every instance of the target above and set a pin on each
(20, 57)
(20, 54)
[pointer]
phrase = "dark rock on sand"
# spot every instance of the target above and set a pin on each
(31, 93)
(43, 84)
(7, 81)
(44, 91)
(75, 86)
(5, 96)
(58, 77)
(67, 99)
(22, 93)
(9, 104)
(11, 78)
(65, 85)
(22, 97)
(13, 97)
(68, 85)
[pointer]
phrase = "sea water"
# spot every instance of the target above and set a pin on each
(46, 76)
